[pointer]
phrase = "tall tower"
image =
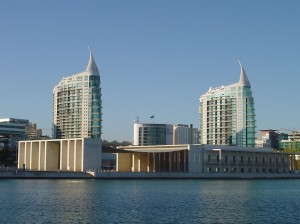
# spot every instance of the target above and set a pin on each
(227, 115)
(77, 105)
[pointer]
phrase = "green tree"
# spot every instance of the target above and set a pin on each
(115, 143)
(6, 158)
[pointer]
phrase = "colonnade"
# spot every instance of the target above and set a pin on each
(176, 161)
(50, 155)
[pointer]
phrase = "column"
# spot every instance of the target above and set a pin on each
(132, 162)
(68, 156)
(159, 162)
(139, 163)
(61, 156)
(45, 161)
(30, 158)
(148, 170)
(40, 146)
(153, 162)
(75, 156)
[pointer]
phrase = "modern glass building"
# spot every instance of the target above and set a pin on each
(164, 134)
(227, 115)
(77, 109)
(153, 134)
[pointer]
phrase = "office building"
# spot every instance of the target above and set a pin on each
(164, 134)
(272, 136)
(11, 131)
(227, 115)
(262, 143)
(185, 134)
(152, 134)
(290, 145)
(77, 109)
(32, 132)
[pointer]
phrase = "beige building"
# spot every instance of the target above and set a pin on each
(203, 159)
(32, 131)
(77, 155)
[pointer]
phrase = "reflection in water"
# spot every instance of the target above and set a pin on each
(149, 201)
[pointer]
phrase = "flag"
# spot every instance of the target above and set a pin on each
(152, 116)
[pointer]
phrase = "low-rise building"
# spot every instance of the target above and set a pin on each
(203, 159)
(76, 155)
(262, 143)
(164, 134)
(32, 132)
(290, 145)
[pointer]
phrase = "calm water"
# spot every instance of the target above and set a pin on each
(150, 201)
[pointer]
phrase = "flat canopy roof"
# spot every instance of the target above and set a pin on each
(175, 148)
(154, 148)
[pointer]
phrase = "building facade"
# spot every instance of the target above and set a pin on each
(76, 155)
(164, 134)
(272, 136)
(203, 159)
(32, 131)
(77, 106)
(262, 143)
(153, 134)
(185, 134)
(11, 131)
(227, 115)
(290, 145)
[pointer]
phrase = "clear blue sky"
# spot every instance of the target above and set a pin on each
(155, 57)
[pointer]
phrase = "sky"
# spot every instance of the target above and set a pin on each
(155, 57)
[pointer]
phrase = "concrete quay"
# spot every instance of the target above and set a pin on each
(17, 174)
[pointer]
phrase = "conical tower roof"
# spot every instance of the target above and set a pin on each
(92, 67)
(244, 81)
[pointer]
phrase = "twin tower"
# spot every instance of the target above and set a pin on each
(77, 105)
(227, 115)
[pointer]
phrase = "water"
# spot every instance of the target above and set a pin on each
(150, 201)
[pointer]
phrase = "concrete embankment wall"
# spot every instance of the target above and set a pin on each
(139, 175)
(43, 175)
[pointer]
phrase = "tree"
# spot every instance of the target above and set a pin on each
(6, 158)
(115, 143)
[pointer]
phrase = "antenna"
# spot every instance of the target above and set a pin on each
(137, 119)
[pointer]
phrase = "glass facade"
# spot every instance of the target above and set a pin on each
(77, 105)
(152, 134)
(227, 115)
